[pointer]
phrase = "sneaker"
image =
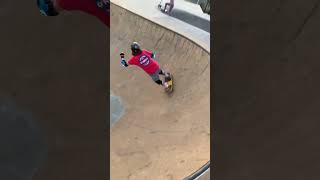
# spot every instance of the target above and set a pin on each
(166, 85)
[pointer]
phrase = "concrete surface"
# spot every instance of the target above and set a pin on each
(149, 10)
(191, 19)
(54, 72)
(192, 8)
(116, 109)
(159, 137)
(266, 88)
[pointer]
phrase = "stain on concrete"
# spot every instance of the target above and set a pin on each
(116, 109)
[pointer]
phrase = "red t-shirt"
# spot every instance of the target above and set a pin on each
(145, 62)
(97, 8)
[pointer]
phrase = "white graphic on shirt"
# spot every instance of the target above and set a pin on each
(144, 60)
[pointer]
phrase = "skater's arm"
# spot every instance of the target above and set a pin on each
(151, 54)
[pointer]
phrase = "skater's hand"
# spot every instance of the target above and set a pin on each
(124, 63)
(122, 54)
(153, 55)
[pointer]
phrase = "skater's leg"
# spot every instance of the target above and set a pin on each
(159, 82)
(155, 77)
(164, 73)
(170, 9)
(165, 6)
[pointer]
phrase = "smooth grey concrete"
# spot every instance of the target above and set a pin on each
(192, 19)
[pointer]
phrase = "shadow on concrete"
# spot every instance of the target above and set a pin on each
(191, 19)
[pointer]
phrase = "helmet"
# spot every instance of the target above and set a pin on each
(135, 48)
(46, 7)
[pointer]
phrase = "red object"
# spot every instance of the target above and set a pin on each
(87, 6)
(145, 62)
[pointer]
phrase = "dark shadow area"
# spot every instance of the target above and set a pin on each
(55, 68)
(266, 90)
(191, 19)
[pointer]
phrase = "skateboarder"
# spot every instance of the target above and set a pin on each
(144, 59)
(97, 8)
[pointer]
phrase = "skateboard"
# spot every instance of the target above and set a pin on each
(169, 80)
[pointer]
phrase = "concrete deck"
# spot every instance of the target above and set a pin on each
(148, 9)
(194, 9)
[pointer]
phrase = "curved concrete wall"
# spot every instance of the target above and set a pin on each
(192, 19)
(202, 173)
(159, 136)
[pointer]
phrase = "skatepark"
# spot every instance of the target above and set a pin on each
(159, 136)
